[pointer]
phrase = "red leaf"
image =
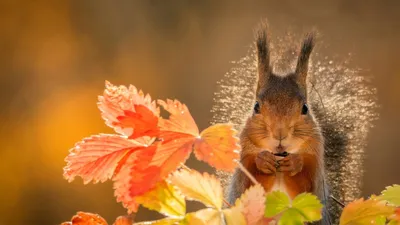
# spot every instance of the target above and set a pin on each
(143, 122)
(98, 157)
(123, 180)
(83, 218)
(218, 147)
(177, 136)
(167, 158)
(119, 102)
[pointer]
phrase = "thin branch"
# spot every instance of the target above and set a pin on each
(245, 171)
(337, 201)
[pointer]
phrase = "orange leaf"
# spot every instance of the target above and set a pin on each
(98, 157)
(83, 218)
(363, 212)
(180, 120)
(217, 147)
(126, 109)
(396, 215)
(123, 220)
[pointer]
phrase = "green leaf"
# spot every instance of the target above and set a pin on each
(308, 206)
(392, 195)
(291, 217)
(304, 208)
(276, 202)
(164, 199)
(381, 220)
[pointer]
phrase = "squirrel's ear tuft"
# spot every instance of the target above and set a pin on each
(262, 44)
(303, 60)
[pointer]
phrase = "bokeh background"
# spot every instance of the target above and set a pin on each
(55, 56)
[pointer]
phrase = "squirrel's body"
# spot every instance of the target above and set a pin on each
(309, 179)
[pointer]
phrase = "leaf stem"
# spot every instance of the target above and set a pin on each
(245, 171)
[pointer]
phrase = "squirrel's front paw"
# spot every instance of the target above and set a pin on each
(266, 163)
(292, 163)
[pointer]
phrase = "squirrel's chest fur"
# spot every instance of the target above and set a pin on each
(291, 185)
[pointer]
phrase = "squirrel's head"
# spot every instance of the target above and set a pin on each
(281, 119)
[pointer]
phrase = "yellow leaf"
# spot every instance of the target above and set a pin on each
(164, 199)
(234, 216)
(205, 217)
(365, 212)
(200, 187)
(166, 221)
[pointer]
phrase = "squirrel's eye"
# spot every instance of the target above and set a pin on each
(304, 110)
(257, 108)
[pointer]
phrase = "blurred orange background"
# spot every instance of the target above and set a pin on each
(55, 56)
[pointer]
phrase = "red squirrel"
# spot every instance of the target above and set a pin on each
(318, 114)
(281, 123)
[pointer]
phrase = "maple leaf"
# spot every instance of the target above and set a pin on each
(98, 157)
(252, 205)
(204, 188)
(365, 212)
(164, 199)
(84, 218)
(392, 195)
(128, 111)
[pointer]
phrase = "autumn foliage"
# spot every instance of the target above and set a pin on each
(145, 160)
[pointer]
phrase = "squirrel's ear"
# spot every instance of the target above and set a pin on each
(302, 62)
(262, 55)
